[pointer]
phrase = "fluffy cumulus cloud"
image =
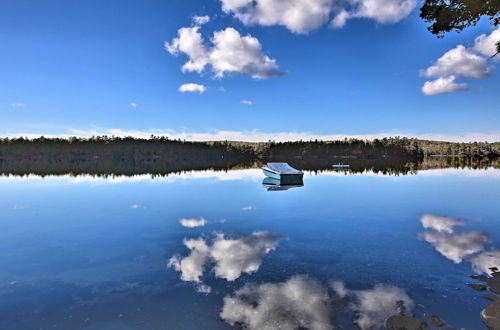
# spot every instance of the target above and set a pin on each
(443, 85)
(235, 53)
(304, 303)
(231, 257)
(200, 20)
(461, 62)
(384, 11)
(192, 88)
(299, 16)
(303, 16)
(486, 44)
(190, 42)
(193, 223)
(299, 303)
(228, 52)
(439, 223)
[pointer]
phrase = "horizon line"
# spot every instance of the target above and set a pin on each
(256, 136)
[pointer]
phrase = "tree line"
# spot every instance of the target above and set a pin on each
(105, 155)
(218, 152)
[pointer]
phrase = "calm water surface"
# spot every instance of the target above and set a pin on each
(217, 250)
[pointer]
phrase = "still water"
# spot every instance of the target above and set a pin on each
(217, 250)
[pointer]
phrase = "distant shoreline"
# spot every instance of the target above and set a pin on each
(160, 146)
(159, 155)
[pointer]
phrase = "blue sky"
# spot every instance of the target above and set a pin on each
(101, 67)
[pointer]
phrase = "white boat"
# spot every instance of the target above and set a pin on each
(341, 166)
(283, 172)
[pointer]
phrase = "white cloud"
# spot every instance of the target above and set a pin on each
(340, 19)
(192, 88)
(229, 52)
(260, 136)
(247, 102)
(463, 172)
(459, 61)
(303, 16)
(440, 224)
(18, 105)
(248, 208)
(133, 105)
(486, 44)
(203, 288)
(443, 85)
(190, 42)
(200, 20)
(482, 262)
(384, 11)
(299, 16)
(465, 137)
(135, 206)
(458, 246)
(299, 303)
(193, 223)
(234, 53)
(231, 257)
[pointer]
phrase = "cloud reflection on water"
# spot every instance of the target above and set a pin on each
(456, 246)
(440, 224)
(304, 303)
(251, 174)
(374, 306)
(193, 223)
(231, 257)
(482, 262)
(300, 302)
(459, 246)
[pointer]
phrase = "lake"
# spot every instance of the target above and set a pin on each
(218, 250)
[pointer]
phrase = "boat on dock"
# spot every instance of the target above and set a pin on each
(283, 172)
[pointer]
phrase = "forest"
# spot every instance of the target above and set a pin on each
(105, 155)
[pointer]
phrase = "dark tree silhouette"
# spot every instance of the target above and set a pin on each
(159, 155)
(448, 15)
